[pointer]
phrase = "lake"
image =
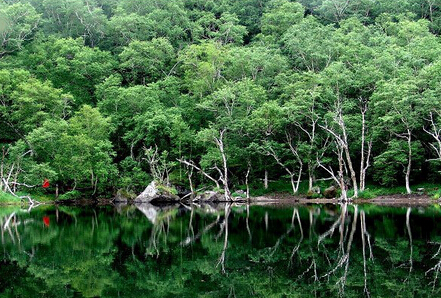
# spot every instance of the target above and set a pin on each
(221, 251)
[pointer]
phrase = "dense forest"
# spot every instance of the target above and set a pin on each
(100, 95)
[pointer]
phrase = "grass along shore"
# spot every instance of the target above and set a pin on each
(275, 188)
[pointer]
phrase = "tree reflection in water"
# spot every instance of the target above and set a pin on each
(221, 250)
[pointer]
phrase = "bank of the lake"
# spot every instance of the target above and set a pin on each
(278, 191)
(424, 194)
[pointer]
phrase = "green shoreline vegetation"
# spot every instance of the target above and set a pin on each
(275, 190)
(103, 96)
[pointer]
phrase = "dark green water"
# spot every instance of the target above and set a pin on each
(182, 251)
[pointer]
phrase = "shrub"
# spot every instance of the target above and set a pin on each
(71, 195)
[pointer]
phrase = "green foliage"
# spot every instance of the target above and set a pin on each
(7, 199)
(71, 195)
(18, 23)
(69, 65)
(166, 189)
(147, 61)
(86, 86)
(279, 16)
(202, 65)
(367, 194)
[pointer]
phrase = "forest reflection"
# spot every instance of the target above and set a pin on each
(221, 250)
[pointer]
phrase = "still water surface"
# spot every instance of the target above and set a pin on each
(221, 251)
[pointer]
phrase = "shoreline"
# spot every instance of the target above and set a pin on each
(271, 199)
(384, 200)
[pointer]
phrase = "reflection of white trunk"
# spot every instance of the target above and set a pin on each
(410, 238)
(190, 224)
(191, 239)
(343, 260)
(247, 221)
(266, 221)
(364, 233)
(333, 227)
(296, 214)
(435, 269)
(225, 246)
(343, 279)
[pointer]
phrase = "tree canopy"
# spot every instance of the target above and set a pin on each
(297, 90)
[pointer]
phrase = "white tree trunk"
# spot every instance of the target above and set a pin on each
(341, 179)
(192, 165)
(265, 180)
(351, 170)
(246, 180)
(435, 133)
(363, 137)
(224, 175)
(409, 161)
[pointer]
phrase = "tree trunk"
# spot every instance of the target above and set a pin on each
(190, 173)
(344, 196)
(363, 131)
(345, 147)
(364, 166)
(224, 178)
(192, 165)
(310, 181)
(246, 180)
(351, 170)
(2, 167)
(409, 162)
(293, 184)
(265, 180)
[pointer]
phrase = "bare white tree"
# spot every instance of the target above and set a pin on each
(340, 135)
(365, 152)
(309, 126)
(9, 174)
(339, 177)
(294, 172)
(222, 172)
(160, 167)
(435, 132)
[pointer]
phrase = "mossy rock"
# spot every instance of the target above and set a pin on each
(157, 193)
(330, 192)
(123, 195)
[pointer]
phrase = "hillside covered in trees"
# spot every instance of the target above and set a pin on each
(99, 95)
